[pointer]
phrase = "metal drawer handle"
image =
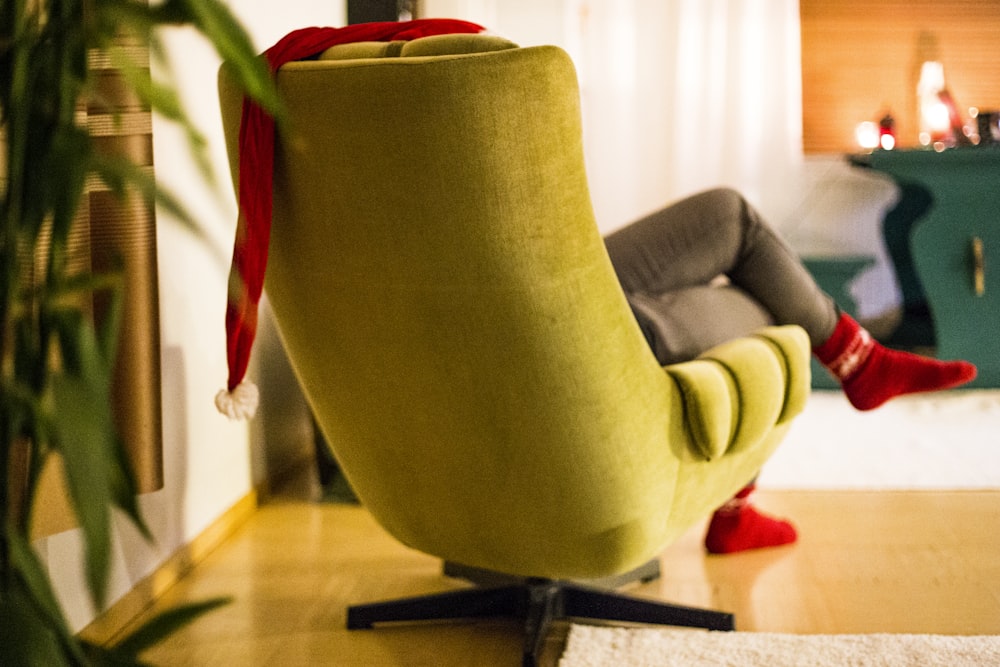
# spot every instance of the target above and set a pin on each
(979, 266)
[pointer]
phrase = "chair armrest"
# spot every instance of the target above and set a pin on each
(736, 393)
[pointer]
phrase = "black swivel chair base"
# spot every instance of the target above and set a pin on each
(537, 602)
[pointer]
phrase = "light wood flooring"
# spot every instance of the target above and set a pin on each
(900, 562)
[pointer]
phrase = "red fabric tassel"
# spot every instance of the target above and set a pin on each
(256, 159)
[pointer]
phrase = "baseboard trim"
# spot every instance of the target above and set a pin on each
(116, 620)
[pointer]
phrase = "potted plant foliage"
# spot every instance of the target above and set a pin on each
(56, 361)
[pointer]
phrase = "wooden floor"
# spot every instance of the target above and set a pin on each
(901, 562)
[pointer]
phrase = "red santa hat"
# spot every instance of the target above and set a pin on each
(256, 162)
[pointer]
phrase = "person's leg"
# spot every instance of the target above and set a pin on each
(718, 232)
(681, 324)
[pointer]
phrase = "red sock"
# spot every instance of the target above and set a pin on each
(872, 374)
(738, 526)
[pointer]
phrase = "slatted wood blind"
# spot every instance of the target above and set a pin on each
(863, 57)
(124, 233)
(107, 234)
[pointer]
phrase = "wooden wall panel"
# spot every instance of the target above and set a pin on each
(862, 57)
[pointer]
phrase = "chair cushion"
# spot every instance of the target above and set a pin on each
(356, 50)
(728, 391)
(448, 45)
(436, 45)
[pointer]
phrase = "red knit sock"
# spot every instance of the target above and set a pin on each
(872, 374)
(738, 526)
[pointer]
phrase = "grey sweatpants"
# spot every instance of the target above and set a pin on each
(708, 269)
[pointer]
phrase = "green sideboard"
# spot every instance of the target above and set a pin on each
(944, 240)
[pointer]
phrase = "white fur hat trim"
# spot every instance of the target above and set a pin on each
(240, 403)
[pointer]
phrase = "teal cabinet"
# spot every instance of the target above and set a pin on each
(954, 246)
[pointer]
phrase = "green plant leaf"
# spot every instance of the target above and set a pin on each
(164, 624)
(121, 481)
(56, 367)
(109, 327)
(67, 165)
(164, 100)
(233, 44)
(28, 354)
(24, 638)
(27, 597)
(83, 432)
(121, 176)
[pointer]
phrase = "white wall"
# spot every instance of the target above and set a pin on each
(210, 463)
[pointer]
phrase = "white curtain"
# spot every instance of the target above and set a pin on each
(678, 95)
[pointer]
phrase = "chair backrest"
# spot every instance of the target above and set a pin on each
(445, 296)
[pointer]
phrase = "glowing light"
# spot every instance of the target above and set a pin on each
(867, 135)
(936, 115)
(935, 121)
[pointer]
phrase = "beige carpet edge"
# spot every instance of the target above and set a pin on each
(591, 646)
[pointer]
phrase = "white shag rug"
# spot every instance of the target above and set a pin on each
(944, 440)
(598, 646)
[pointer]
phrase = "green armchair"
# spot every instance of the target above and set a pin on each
(448, 305)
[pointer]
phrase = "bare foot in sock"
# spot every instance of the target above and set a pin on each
(871, 374)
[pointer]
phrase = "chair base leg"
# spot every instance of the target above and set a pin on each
(537, 603)
(471, 603)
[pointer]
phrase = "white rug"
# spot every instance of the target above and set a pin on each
(593, 646)
(946, 440)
